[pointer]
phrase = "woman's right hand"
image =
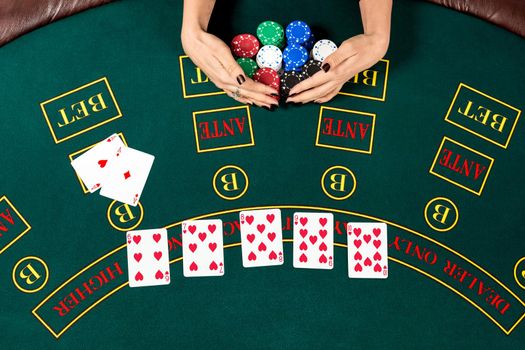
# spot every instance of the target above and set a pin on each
(215, 59)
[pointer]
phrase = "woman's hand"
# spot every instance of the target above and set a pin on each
(215, 59)
(353, 56)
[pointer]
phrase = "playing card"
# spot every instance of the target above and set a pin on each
(202, 248)
(126, 179)
(261, 238)
(92, 166)
(313, 241)
(148, 259)
(367, 250)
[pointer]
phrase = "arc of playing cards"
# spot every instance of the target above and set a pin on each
(261, 244)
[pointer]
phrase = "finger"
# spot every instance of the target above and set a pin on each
(334, 60)
(236, 74)
(317, 79)
(328, 96)
(260, 87)
(265, 105)
(220, 66)
(216, 70)
(240, 99)
(312, 94)
(267, 100)
(249, 100)
(338, 57)
(229, 72)
(221, 71)
(212, 71)
(348, 68)
(252, 88)
(232, 68)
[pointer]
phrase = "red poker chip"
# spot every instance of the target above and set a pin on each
(245, 45)
(268, 76)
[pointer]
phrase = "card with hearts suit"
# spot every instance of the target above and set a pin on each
(202, 248)
(313, 241)
(367, 250)
(148, 259)
(261, 238)
(92, 167)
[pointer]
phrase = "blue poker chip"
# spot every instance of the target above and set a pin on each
(289, 68)
(298, 32)
(309, 44)
(294, 56)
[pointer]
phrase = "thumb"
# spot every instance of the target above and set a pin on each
(336, 58)
(233, 69)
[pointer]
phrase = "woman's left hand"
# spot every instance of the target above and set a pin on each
(352, 57)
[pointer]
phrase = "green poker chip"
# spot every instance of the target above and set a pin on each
(248, 65)
(271, 33)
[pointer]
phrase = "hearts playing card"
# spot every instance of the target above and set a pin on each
(148, 259)
(367, 250)
(92, 167)
(261, 238)
(313, 241)
(202, 248)
(126, 179)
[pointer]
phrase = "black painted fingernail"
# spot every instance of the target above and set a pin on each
(241, 79)
(326, 67)
(266, 108)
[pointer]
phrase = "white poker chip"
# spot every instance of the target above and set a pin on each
(322, 49)
(270, 56)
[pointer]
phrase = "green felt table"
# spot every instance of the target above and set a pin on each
(429, 141)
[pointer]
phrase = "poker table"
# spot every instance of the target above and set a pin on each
(429, 141)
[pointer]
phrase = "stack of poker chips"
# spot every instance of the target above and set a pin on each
(271, 33)
(268, 76)
(322, 49)
(248, 66)
(281, 58)
(298, 33)
(295, 56)
(246, 46)
(270, 56)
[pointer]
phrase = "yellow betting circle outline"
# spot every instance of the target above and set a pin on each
(223, 196)
(345, 196)
(125, 229)
(428, 221)
(516, 275)
(43, 284)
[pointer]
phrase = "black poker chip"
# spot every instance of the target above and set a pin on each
(311, 67)
(289, 80)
